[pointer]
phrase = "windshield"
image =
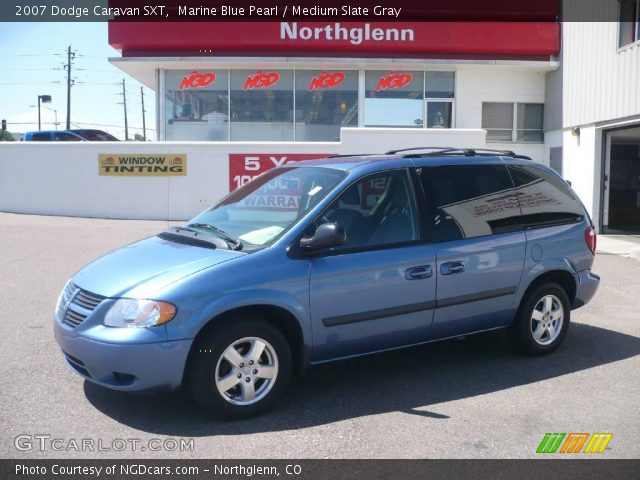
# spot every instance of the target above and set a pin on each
(260, 211)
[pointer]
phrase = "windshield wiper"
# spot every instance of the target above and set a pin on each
(234, 243)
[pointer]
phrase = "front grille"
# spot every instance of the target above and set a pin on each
(87, 300)
(73, 319)
(87, 303)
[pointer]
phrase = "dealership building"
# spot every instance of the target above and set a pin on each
(567, 95)
(236, 98)
(296, 88)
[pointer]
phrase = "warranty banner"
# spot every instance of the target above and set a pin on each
(148, 164)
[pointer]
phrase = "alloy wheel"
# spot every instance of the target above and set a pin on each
(246, 371)
(547, 319)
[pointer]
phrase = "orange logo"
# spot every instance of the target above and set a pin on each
(197, 80)
(326, 80)
(394, 80)
(261, 80)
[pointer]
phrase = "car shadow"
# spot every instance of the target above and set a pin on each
(408, 381)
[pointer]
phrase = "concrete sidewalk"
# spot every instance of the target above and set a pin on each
(625, 245)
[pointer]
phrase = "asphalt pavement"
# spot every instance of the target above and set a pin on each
(470, 398)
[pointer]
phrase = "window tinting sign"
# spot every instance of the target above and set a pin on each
(197, 80)
(326, 80)
(151, 164)
(394, 80)
(261, 79)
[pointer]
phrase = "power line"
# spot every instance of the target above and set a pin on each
(109, 126)
(31, 54)
(98, 83)
(38, 69)
(27, 83)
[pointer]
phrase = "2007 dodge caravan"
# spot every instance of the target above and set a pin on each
(326, 259)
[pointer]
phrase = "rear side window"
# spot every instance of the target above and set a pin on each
(66, 137)
(544, 199)
(467, 201)
(95, 135)
(40, 137)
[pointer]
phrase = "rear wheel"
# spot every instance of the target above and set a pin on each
(542, 320)
(240, 368)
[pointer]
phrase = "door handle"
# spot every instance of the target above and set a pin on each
(418, 273)
(450, 268)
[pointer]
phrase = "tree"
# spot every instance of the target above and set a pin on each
(6, 136)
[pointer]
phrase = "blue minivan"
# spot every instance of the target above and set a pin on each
(333, 258)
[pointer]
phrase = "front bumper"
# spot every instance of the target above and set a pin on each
(586, 287)
(126, 366)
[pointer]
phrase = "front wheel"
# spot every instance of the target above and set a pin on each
(239, 369)
(542, 320)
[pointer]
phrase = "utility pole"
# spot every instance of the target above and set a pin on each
(70, 56)
(144, 125)
(124, 102)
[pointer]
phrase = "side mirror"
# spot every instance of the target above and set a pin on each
(327, 235)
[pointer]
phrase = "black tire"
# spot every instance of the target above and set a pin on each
(521, 331)
(206, 360)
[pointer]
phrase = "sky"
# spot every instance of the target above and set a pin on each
(33, 55)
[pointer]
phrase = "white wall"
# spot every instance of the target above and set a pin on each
(61, 178)
(478, 84)
(582, 157)
(601, 81)
(601, 88)
(552, 139)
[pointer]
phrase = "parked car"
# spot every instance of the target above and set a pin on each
(78, 135)
(327, 259)
(52, 136)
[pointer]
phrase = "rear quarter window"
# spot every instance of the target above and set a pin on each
(466, 201)
(544, 199)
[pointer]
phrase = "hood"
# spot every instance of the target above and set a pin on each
(144, 268)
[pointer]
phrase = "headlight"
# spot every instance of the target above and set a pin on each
(130, 312)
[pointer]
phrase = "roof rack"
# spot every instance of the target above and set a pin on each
(352, 155)
(467, 152)
(441, 149)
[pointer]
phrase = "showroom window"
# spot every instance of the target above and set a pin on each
(629, 24)
(325, 101)
(393, 99)
(513, 122)
(196, 105)
(261, 105)
(301, 105)
(439, 95)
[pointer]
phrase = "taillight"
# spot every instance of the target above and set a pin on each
(590, 238)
